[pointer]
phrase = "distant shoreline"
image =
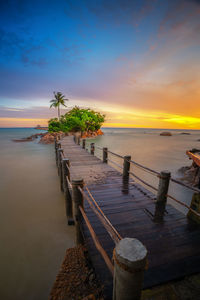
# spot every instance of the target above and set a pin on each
(41, 128)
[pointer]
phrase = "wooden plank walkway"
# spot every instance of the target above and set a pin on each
(173, 246)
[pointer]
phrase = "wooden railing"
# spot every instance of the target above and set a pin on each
(127, 273)
(76, 190)
(164, 181)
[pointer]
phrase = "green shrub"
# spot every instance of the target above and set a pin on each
(54, 125)
(77, 119)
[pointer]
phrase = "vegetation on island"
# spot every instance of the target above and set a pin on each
(77, 119)
(59, 99)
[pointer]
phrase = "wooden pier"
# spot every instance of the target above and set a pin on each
(172, 242)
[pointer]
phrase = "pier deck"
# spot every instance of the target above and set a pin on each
(173, 246)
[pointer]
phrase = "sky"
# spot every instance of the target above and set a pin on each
(136, 61)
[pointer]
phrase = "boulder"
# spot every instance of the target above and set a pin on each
(166, 133)
(185, 133)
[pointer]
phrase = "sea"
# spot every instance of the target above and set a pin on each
(33, 231)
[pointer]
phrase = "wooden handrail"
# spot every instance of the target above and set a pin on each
(97, 243)
(105, 222)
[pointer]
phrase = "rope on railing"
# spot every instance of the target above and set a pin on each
(104, 220)
(96, 242)
(100, 148)
(185, 185)
(113, 228)
(188, 207)
(69, 183)
(153, 172)
(115, 154)
(113, 162)
(144, 182)
(68, 167)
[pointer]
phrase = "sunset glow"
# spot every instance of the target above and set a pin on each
(135, 61)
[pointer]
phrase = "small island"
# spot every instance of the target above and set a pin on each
(84, 122)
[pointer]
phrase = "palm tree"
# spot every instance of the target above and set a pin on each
(59, 99)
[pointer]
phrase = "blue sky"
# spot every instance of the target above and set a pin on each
(119, 56)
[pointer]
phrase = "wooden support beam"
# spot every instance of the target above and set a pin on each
(126, 167)
(105, 155)
(92, 148)
(60, 151)
(161, 199)
(83, 143)
(77, 199)
(68, 198)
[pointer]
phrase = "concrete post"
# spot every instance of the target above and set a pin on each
(77, 199)
(130, 257)
(68, 198)
(60, 151)
(162, 196)
(92, 148)
(83, 144)
(105, 155)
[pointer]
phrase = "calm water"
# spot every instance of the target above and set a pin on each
(34, 234)
(33, 230)
(147, 147)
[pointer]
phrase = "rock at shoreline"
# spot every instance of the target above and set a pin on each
(185, 133)
(29, 138)
(166, 133)
(48, 137)
(89, 134)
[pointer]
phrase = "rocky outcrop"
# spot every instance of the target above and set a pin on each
(166, 133)
(185, 133)
(88, 134)
(29, 138)
(48, 137)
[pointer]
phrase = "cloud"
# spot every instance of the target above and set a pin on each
(36, 112)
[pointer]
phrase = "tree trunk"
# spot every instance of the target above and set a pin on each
(58, 112)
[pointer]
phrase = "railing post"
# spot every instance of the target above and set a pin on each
(57, 158)
(125, 175)
(83, 143)
(126, 167)
(105, 155)
(60, 151)
(161, 199)
(68, 198)
(92, 148)
(130, 258)
(56, 151)
(195, 205)
(78, 140)
(77, 199)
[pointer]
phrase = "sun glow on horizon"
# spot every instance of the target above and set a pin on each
(119, 117)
